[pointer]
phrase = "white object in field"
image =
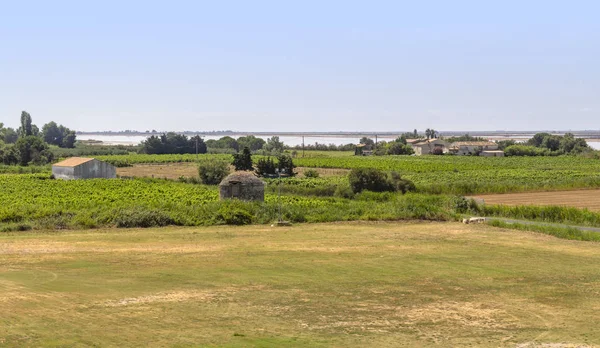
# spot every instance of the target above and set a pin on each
(474, 220)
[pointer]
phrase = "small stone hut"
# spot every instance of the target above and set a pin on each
(83, 168)
(242, 185)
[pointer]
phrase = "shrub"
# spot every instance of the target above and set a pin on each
(142, 217)
(399, 184)
(378, 181)
(234, 214)
(311, 173)
(212, 171)
(344, 191)
(243, 161)
(265, 167)
(369, 179)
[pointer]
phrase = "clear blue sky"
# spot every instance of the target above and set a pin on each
(301, 65)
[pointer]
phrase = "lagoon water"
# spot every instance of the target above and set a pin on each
(288, 140)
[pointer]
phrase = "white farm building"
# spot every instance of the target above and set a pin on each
(83, 168)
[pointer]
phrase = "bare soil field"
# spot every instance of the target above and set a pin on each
(589, 199)
(176, 170)
(310, 285)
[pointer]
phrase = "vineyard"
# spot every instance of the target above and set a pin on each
(44, 203)
(443, 174)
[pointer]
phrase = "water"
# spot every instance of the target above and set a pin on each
(288, 140)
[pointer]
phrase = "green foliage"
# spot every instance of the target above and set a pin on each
(8, 135)
(525, 150)
(397, 148)
(243, 161)
(60, 136)
(369, 179)
(311, 173)
(234, 212)
(32, 149)
(551, 214)
(556, 144)
(274, 145)
(213, 170)
(556, 231)
(265, 167)
(9, 155)
(173, 143)
(101, 202)
(26, 127)
(366, 141)
(465, 137)
(503, 144)
(226, 142)
(286, 165)
(251, 142)
(142, 217)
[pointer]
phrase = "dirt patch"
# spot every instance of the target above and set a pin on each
(181, 296)
(589, 199)
(176, 170)
(161, 171)
(479, 315)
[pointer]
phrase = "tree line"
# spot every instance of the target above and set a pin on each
(28, 145)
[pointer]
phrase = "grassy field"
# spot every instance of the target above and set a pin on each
(589, 199)
(346, 284)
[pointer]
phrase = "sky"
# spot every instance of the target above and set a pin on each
(301, 65)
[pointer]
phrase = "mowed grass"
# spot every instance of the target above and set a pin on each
(346, 284)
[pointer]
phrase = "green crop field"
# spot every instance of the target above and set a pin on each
(444, 174)
(36, 201)
(311, 285)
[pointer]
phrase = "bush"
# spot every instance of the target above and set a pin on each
(243, 161)
(265, 167)
(213, 171)
(524, 150)
(311, 173)
(378, 181)
(234, 214)
(142, 217)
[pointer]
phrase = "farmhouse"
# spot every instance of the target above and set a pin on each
(242, 185)
(83, 168)
(429, 146)
(472, 147)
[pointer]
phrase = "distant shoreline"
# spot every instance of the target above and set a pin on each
(501, 135)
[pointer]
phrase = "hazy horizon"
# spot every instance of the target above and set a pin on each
(310, 66)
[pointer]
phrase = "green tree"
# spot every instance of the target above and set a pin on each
(243, 161)
(398, 148)
(252, 142)
(212, 171)
(286, 165)
(366, 141)
(9, 155)
(52, 134)
(69, 140)
(26, 128)
(10, 136)
(33, 149)
(265, 167)
(274, 145)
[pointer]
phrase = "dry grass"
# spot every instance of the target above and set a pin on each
(589, 199)
(342, 284)
(176, 170)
